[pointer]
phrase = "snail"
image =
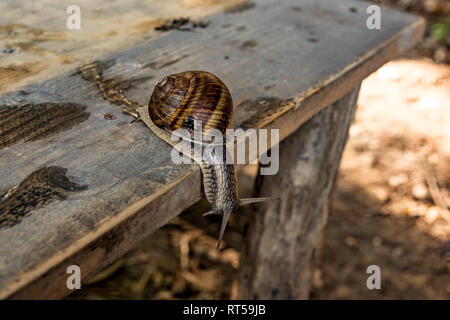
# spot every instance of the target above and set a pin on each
(182, 101)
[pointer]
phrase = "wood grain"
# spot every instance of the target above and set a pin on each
(42, 47)
(133, 187)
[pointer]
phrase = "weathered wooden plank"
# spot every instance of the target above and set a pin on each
(43, 47)
(132, 186)
(278, 258)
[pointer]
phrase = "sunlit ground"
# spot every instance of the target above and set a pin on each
(399, 145)
(389, 209)
(390, 205)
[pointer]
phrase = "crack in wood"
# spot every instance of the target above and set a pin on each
(111, 89)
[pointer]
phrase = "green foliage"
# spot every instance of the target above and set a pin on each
(439, 30)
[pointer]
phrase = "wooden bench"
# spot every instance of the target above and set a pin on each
(284, 62)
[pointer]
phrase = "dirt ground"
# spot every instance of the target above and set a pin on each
(389, 207)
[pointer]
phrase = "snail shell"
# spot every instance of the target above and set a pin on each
(180, 99)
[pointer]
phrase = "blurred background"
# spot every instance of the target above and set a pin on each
(389, 208)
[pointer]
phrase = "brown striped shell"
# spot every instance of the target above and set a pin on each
(181, 98)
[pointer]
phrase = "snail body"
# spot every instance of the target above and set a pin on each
(184, 101)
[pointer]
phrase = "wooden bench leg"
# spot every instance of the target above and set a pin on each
(282, 237)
